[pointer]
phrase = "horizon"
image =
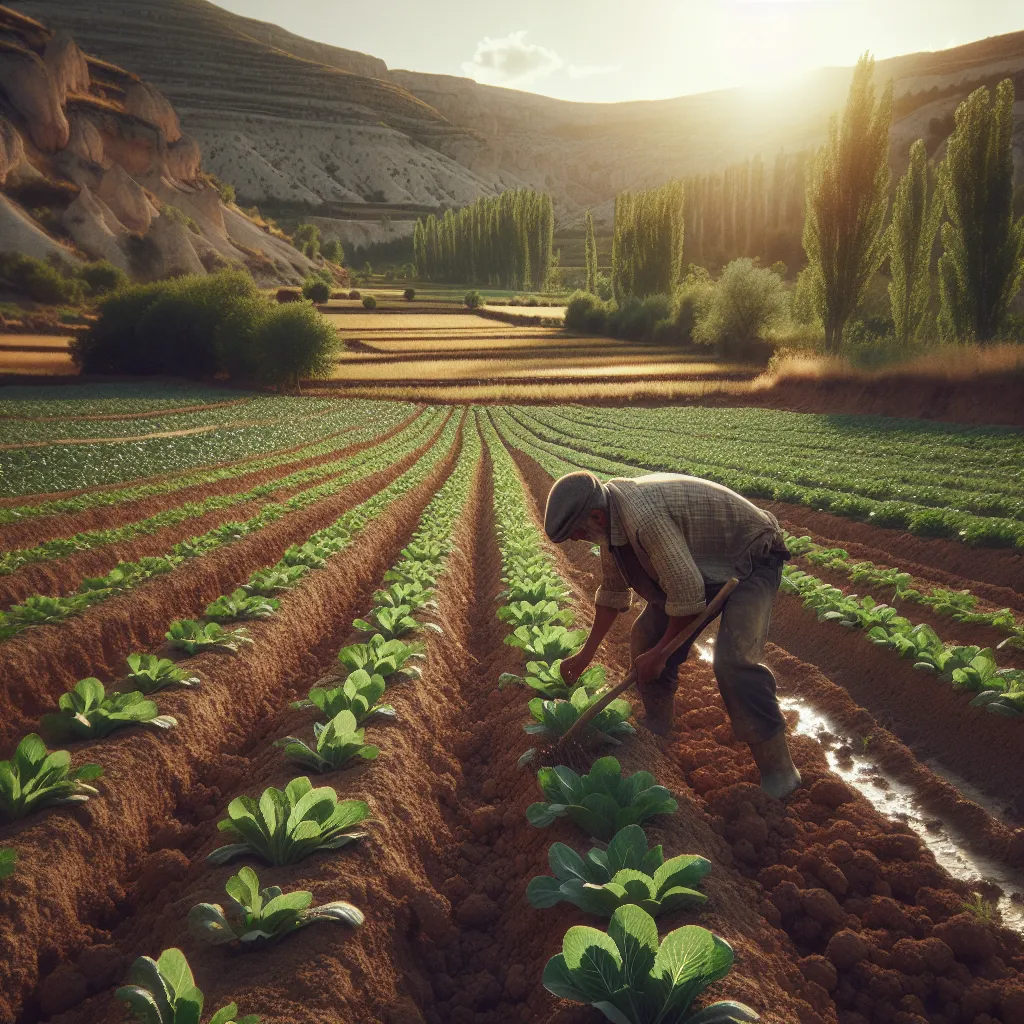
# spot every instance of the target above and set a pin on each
(565, 55)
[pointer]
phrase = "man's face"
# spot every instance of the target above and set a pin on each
(593, 529)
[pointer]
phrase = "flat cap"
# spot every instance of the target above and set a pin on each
(571, 498)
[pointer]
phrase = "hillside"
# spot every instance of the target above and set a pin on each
(290, 120)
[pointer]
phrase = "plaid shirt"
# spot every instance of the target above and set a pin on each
(685, 531)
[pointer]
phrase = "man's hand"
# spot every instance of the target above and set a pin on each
(572, 668)
(648, 666)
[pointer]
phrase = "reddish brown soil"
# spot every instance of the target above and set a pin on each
(38, 665)
(88, 868)
(41, 528)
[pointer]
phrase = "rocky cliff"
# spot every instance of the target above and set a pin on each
(94, 164)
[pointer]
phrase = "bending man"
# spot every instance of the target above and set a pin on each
(675, 540)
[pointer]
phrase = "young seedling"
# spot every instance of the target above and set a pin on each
(255, 916)
(40, 611)
(359, 694)
(337, 742)
(553, 718)
(192, 637)
(540, 613)
(546, 679)
(35, 778)
(602, 802)
(633, 978)
(148, 673)
(393, 623)
(413, 595)
(240, 605)
(284, 826)
(268, 582)
(312, 556)
(386, 658)
(164, 992)
(547, 643)
(86, 712)
(626, 873)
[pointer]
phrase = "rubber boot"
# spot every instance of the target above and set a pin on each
(659, 707)
(779, 776)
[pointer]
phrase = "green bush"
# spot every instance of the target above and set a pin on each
(747, 304)
(579, 312)
(317, 289)
(235, 338)
(472, 300)
(295, 342)
(354, 294)
(635, 319)
(102, 277)
(369, 302)
(410, 294)
(39, 281)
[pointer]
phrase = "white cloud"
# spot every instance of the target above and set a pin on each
(591, 70)
(511, 61)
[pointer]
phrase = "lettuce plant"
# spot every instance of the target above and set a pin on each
(421, 573)
(540, 613)
(39, 610)
(359, 694)
(312, 556)
(284, 826)
(1010, 705)
(413, 594)
(633, 978)
(547, 643)
(257, 916)
(525, 588)
(268, 582)
(192, 637)
(86, 712)
(626, 873)
(240, 605)
(164, 992)
(148, 673)
(337, 742)
(556, 717)
(8, 859)
(602, 802)
(393, 623)
(35, 778)
(386, 658)
(546, 679)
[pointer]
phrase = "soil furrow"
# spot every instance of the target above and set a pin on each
(91, 867)
(39, 664)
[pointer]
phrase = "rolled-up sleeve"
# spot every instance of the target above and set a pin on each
(614, 591)
(678, 574)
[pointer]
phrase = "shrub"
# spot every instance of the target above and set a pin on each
(410, 294)
(747, 303)
(317, 289)
(234, 339)
(333, 251)
(369, 302)
(354, 294)
(635, 319)
(39, 281)
(293, 343)
(102, 277)
(289, 295)
(472, 300)
(580, 313)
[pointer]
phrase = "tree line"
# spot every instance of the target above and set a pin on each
(504, 241)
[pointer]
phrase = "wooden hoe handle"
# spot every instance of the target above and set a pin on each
(713, 610)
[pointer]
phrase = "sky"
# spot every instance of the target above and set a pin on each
(613, 50)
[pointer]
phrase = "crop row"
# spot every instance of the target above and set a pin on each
(76, 466)
(958, 605)
(363, 417)
(60, 547)
(763, 474)
(41, 610)
(108, 399)
(627, 972)
(283, 826)
(967, 667)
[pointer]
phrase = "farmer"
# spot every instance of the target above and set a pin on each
(675, 540)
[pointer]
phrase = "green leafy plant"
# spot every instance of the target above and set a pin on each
(546, 679)
(192, 637)
(359, 694)
(414, 595)
(241, 605)
(148, 673)
(386, 658)
(633, 978)
(8, 860)
(312, 556)
(525, 588)
(393, 623)
(267, 582)
(284, 826)
(40, 611)
(539, 613)
(257, 916)
(602, 802)
(337, 742)
(164, 992)
(556, 717)
(547, 643)
(626, 873)
(980, 907)
(86, 712)
(35, 778)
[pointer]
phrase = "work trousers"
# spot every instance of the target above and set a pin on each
(746, 684)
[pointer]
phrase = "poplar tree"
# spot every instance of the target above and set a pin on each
(847, 196)
(916, 211)
(591, 256)
(647, 249)
(982, 264)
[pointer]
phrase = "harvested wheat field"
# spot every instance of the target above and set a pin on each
(215, 592)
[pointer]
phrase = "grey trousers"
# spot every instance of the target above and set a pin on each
(747, 686)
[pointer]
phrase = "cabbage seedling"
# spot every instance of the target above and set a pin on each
(35, 778)
(8, 859)
(240, 605)
(164, 992)
(148, 673)
(192, 637)
(556, 717)
(337, 742)
(312, 556)
(393, 623)
(547, 643)
(627, 872)
(632, 978)
(268, 582)
(521, 588)
(86, 712)
(546, 679)
(414, 595)
(257, 916)
(40, 611)
(386, 658)
(602, 802)
(523, 613)
(284, 826)
(358, 694)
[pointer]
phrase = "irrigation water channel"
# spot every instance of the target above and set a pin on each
(898, 801)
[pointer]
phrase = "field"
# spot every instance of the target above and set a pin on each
(256, 544)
